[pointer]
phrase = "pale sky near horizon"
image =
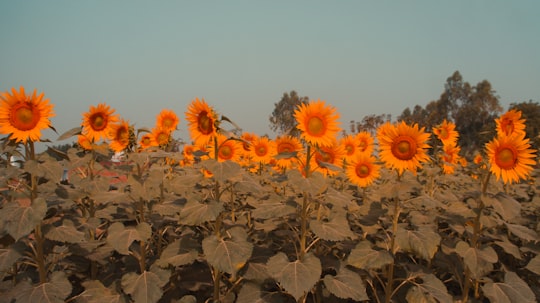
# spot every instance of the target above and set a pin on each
(362, 57)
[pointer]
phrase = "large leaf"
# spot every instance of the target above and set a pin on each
(509, 247)
(346, 285)
(228, 253)
(70, 133)
(176, 254)
(54, 291)
(272, 208)
(95, 292)
(146, 287)
(534, 265)
(314, 185)
(523, 232)
(478, 260)
(64, 233)
(424, 241)
(431, 290)
(224, 171)
(296, 277)
(21, 217)
(195, 213)
(10, 255)
(513, 290)
(182, 184)
(121, 237)
(252, 293)
(336, 228)
(365, 257)
(506, 206)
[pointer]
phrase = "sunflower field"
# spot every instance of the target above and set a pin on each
(133, 215)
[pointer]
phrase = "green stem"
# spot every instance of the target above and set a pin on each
(389, 289)
(303, 225)
(40, 256)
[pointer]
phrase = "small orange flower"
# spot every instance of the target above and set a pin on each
(262, 150)
(84, 143)
(450, 158)
(201, 121)
(97, 122)
(147, 140)
(318, 122)
(365, 142)
(363, 170)
(447, 133)
(511, 157)
(23, 117)
(167, 119)
(403, 147)
(119, 134)
(510, 123)
(329, 158)
(162, 137)
(228, 149)
(286, 146)
(351, 147)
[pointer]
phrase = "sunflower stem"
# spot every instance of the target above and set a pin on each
(389, 289)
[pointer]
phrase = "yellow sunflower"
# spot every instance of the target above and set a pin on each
(119, 134)
(228, 149)
(318, 122)
(363, 170)
(446, 132)
(23, 117)
(147, 140)
(84, 143)
(262, 150)
(365, 142)
(329, 159)
(511, 157)
(167, 119)
(510, 123)
(450, 158)
(201, 121)
(351, 147)
(97, 122)
(403, 147)
(287, 145)
(161, 136)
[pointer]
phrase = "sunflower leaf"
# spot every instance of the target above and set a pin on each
(146, 287)
(478, 260)
(195, 213)
(335, 229)
(346, 285)
(365, 257)
(431, 290)
(228, 254)
(513, 290)
(424, 241)
(70, 133)
(21, 217)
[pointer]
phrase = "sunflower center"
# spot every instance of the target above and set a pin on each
(506, 158)
(284, 148)
(404, 148)
(261, 151)
(444, 133)
(315, 126)
(225, 152)
(363, 145)
(362, 171)
(122, 135)
(205, 123)
(168, 122)
(24, 117)
(162, 138)
(98, 122)
(349, 149)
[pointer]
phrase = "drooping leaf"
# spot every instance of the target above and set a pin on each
(224, 171)
(506, 206)
(296, 277)
(64, 233)
(70, 133)
(523, 232)
(54, 291)
(252, 293)
(228, 253)
(509, 247)
(272, 208)
(21, 217)
(176, 255)
(146, 287)
(431, 290)
(168, 208)
(256, 272)
(346, 285)
(423, 241)
(513, 290)
(247, 184)
(315, 184)
(478, 260)
(338, 198)
(335, 229)
(95, 292)
(181, 184)
(10, 255)
(534, 265)
(121, 237)
(195, 213)
(365, 257)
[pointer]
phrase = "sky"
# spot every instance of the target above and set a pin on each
(361, 57)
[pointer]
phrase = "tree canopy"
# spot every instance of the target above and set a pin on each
(282, 119)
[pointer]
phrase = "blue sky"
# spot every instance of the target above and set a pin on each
(362, 57)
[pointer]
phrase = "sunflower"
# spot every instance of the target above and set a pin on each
(97, 122)
(120, 134)
(350, 146)
(318, 122)
(446, 132)
(365, 142)
(188, 154)
(262, 150)
(286, 147)
(228, 149)
(510, 157)
(167, 119)
(147, 140)
(450, 157)
(403, 147)
(363, 170)
(161, 136)
(84, 143)
(23, 117)
(201, 121)
(510, 123)
(329, 159)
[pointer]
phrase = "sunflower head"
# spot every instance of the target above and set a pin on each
(227, 149)
(147, 140)
(446, 132)
(262, 150)
(162, 137)
(363, 170)
(167, 119)
(84, 143)
(22, 116)
(329, 159)
(121, 135)
(510, 157)
(287, 146)
(317, 122)
(365, 142)
(202, 121)
(510, 122)
(98, 121)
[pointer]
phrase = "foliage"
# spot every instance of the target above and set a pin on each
(531, 112)
(282, 118)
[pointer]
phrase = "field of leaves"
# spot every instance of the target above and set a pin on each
(149, 230)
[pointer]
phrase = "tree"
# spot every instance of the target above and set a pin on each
(530, 111)
(282, 118)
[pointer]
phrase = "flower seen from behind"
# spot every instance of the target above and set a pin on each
(510, 157)
(317, 122)
(22, 116)
(510, 122)
(403, 147)
(98, 121)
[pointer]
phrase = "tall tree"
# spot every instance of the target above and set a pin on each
(282, 118)
(530, 111)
